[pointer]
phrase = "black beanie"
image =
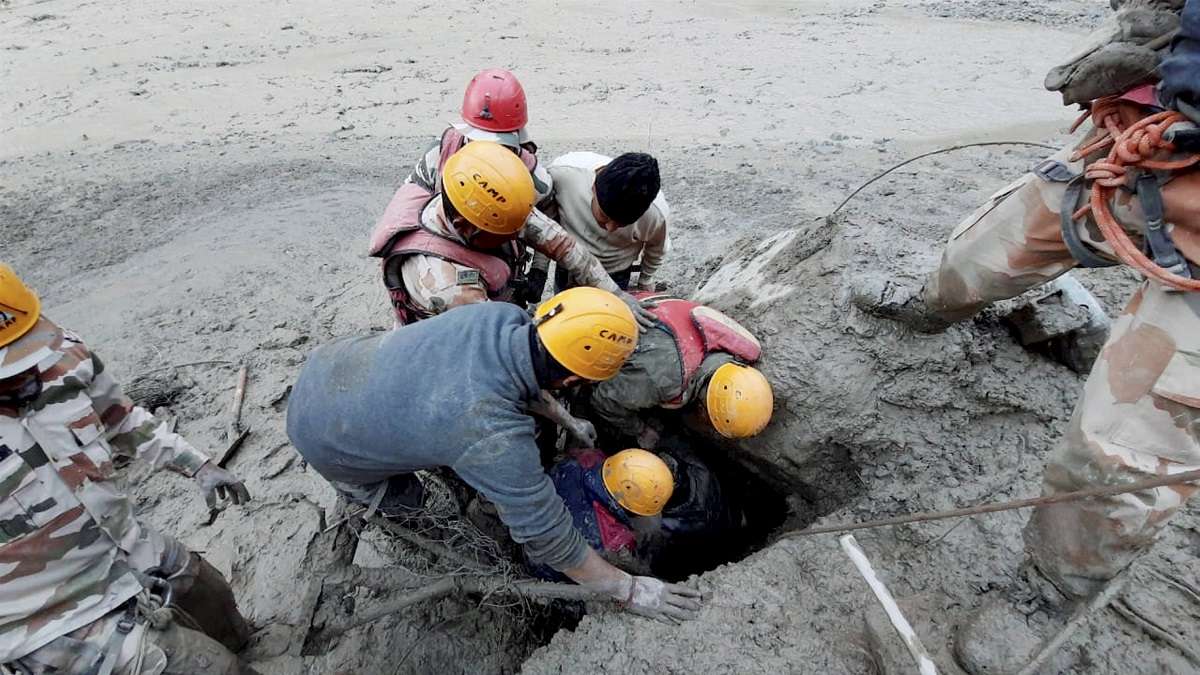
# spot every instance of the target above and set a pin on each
(627, 186)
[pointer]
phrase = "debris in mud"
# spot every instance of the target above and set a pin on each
(1078, 13)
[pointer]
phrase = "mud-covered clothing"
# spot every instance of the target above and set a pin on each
(1014, 242)
(603, 523)
(198, 591)
(449, 391)
(574, 176)
(69, 542)
(651, 377)
(697, 514)
(1139, 415)
(434, 284)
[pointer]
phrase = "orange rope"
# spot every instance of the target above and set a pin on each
(1129, 148)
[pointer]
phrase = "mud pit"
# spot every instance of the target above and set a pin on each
(196, 183)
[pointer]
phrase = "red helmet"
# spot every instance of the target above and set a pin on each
(495, 101)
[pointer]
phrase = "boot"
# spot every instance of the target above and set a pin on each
(1005, 633)
(889, 299)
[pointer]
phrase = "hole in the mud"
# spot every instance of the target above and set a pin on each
(742, 511)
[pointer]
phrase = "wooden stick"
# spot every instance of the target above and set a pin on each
(912, 641)
(436, 548)
(183, 365)
(1098, 601)
(1155, 631)
(1090, 493)
(239, 396)
(232, 449)
(460, 585)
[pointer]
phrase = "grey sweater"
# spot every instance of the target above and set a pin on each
(448, 391)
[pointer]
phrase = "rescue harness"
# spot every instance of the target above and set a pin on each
(1132, 163)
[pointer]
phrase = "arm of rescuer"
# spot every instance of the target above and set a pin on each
(545, 236)
(551, 408)
(504, 466)
(132, 432)
(658, 242)
(424, 172)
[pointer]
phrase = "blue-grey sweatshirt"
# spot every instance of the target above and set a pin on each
(448, 391)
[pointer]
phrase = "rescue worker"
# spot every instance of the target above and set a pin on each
(80, 577)
(493, 109)
(470, 244)
(637, 507)
(452, 391)
(615, 209)
(695, 357)
(1139, 412)
(606, 495)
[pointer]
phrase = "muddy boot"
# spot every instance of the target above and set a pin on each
(176, 650)
(202, 592)
(892, 300)
(1005, 633)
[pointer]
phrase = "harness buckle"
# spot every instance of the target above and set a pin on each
(1054, 171)
(1159, 243)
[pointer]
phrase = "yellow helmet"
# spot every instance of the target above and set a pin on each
(639, 480)
(19, 306)
(490, 186)
(587, 330)
(739, 401)
(20, 311)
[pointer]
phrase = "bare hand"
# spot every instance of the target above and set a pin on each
(217, 483)
(669, 603)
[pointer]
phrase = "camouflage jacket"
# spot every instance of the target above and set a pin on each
(69, 542)
(436, 285)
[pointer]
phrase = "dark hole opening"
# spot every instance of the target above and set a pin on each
(746, 512)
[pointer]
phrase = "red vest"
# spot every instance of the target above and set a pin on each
(399, 234)
(698, 332)
(403, 213)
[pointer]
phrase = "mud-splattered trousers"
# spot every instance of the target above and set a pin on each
(71, 551)
(1139, 414)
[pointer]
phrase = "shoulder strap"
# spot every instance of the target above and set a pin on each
(494, 271)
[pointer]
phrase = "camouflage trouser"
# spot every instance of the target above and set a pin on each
(205, 646)
(1139, 415)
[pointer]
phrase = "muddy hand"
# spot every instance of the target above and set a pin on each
(584, 432)
(648, 438)
(644, 318)
(217, 483)
(669, 603)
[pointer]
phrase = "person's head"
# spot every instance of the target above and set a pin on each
(587, 332)
(639, 481)
(20, 310)
(738, 401)
(487, 194)
(494, 109)
(624, 190)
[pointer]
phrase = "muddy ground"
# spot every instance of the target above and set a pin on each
(195, 182)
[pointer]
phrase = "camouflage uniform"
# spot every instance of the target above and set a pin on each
(71, 552)
(1139, 415)
(435, 285)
